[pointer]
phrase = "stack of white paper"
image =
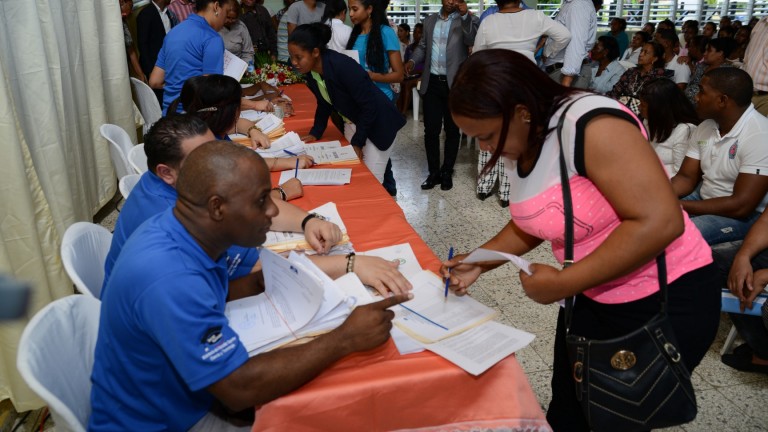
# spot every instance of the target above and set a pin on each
(459, 329)
(333, 156)
(319, 177)
(284, 241)
(283, 147)
(253, 115)
(299, 301)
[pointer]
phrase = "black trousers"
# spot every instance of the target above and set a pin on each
(436, 117)
(693, 310)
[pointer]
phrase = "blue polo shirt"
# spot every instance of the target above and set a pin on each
(190, 49)
(151, 196)
(390, 42)
(163, 336)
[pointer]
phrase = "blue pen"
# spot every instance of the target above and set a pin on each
(448, 279)
(296, 174)
(290, 153)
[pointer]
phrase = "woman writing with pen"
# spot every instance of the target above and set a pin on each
(371, 120)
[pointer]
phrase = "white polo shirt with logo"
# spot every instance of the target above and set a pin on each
(744, 149)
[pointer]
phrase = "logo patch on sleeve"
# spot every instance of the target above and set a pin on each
(212, 336)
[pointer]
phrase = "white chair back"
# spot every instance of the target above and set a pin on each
(55, 358)
(84, 250)
(119, 146)
(138, 159)
(148, 104)
(127, 184)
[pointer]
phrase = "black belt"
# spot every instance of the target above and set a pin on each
(551, 68)
(443, 78)
(760, 93)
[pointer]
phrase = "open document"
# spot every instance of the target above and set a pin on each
(333, 156)
(430, 316)
(288, 145)
(279, 241)
(234, 66)
(408, 265)
(319, 177)
(299, 301)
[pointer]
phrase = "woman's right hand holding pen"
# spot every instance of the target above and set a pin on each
(462, 275)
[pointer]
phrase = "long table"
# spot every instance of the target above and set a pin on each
(381, 390)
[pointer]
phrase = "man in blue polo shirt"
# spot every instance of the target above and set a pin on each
(167, 144)
(165, 352)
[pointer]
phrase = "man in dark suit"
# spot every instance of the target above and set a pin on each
(152, 24)
(448, 37)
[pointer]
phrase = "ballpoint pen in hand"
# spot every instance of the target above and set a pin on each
(296, 173)
(448, 279)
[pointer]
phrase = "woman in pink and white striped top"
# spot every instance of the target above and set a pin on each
(625, 213)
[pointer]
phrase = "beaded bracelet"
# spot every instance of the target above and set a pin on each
(350, 262)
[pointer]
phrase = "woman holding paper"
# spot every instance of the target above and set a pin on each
(625, 213)
(194, 48)
(216, 100)
(340, 84)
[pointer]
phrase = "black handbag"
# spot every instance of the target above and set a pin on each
(634, 382)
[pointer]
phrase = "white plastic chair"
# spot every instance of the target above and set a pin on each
(127, 184)
(55, 358)
(148, 104)
(119, 146)
(84, 250)
(138, 159)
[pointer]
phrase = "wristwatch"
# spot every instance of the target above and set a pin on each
(311, 216)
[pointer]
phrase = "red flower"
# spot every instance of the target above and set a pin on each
(258, 71)
(281, 77)
(270, 75)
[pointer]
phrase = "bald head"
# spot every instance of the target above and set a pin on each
(216, 168)
(223, 196)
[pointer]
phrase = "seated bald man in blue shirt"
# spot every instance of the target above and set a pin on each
(165, 354)
(167, 144)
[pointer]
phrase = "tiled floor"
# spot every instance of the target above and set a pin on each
(728, 399)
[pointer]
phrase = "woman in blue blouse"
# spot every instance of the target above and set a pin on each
(608, 70)
(371, 120)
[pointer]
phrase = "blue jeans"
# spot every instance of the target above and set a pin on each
(721, 229)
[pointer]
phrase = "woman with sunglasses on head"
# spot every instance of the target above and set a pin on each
(371, 120)
(625, 214)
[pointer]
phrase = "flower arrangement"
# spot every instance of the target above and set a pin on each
(274, 74)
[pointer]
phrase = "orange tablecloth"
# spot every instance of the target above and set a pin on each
(380, 389)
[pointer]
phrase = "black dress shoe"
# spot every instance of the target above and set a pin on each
(743, 350)
(504, 204)
(743, 363)
(483, 195)
(446, 182)
(430, 182)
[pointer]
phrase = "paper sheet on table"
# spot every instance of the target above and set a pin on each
(253, 115)
(353, 288)
(404, 343)
(234, 66)
(433, 317)
(353, 54)
(408, 265)
(480, 255)
(324, 145)
(254, 96)
(333, 156)
(479, 348)
(319, 177)
(285, 241)
(289, 141)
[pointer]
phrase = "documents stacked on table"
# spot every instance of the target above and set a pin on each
(253, 115)
(459, 329)
(269, 124)
(288, 145)
(286, 241)
(319, 177)
(299, 301)
(332, 153)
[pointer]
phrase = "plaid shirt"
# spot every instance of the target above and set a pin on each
(182, 9)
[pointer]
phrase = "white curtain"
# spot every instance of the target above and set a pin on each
(62, 75)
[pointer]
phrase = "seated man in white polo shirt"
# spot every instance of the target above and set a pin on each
(728, 154)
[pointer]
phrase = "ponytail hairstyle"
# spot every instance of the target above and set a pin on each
(311, 36)
(332, 9)
(374, 52)
(213, 98)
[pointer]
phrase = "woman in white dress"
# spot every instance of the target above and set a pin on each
(516, 29)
